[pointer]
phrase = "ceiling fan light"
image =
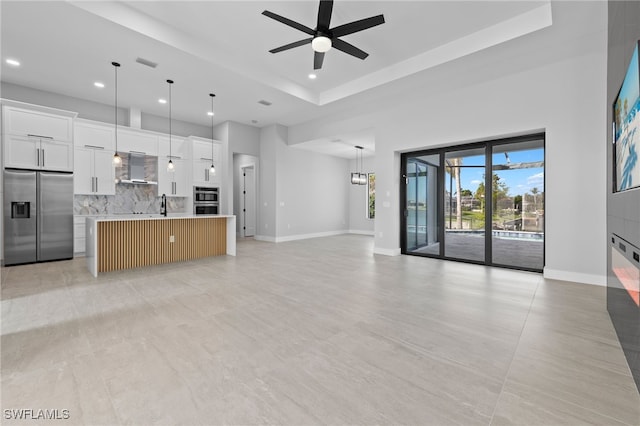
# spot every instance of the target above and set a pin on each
(321, 44)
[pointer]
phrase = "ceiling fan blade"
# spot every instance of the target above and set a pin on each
(291, 45)
(355, 26)
(324, 15)
(348, 48)
(318, 58)
(289, 22)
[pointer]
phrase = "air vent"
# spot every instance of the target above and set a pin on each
(147, 62)
(263, 102)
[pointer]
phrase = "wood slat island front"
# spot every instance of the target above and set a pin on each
(124, 243)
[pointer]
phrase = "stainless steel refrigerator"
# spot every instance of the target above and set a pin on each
(38, 216)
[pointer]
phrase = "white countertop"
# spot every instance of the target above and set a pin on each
(122, 217)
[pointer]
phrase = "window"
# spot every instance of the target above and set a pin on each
(371, 196)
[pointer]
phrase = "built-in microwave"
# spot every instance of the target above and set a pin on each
(203, 194)
(205, 208)
(205, 200)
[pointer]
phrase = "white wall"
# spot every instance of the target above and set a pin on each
(303, 194)
(239, 139)
(239, 161)
(313, 196)
(358, 198)
(563, 94)
(270, 137)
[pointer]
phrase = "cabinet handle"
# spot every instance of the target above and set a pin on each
(38, 156)
(96, 184)
(40, 136)
(208, 159)
(138, 152)
(94, 146)
(92, 187)
(42, 157)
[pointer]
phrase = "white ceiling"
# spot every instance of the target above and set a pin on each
(222, 47)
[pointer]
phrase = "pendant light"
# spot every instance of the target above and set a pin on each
(117, 160)
(212, 170)
(363, 176)
(170, 166)
(358, 178)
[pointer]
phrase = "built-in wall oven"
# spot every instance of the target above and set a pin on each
(205, 200)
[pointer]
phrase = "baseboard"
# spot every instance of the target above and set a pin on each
(264, 238)
(307, 236)
(359, 232)
(577, 277)
(298, 237)
(386, 252)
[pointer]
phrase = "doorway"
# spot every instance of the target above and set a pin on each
(248, 201)
(479, 203)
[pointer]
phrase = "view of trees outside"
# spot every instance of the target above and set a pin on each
(517, 201)
(371, 196)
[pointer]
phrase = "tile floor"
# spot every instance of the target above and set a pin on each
(310, 332)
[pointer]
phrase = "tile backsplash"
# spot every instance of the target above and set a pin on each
(129, 198)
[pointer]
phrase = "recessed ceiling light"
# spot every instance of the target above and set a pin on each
(210, 113)
(13, 62)
(99, 85)
(312, 76)
(162, 101)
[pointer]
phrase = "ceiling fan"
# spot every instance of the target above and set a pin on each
(323, 37)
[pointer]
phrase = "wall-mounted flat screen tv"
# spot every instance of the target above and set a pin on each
(626, 129)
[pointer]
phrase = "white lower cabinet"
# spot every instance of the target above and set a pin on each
(173, 184)
(79, 238)
(94, 172)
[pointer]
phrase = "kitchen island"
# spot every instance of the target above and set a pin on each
(123, 242)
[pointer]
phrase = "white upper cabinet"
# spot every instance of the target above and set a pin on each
(32, 152)
(37, 138)
(94, 173)
(204, 154)
(175, 183)
(20, 121)
(202, 150)
(137, 141)
(93, 135)
(178, 147)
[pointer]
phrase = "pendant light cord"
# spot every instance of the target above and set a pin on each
(170, 83)
(212, 113)
(115, 106)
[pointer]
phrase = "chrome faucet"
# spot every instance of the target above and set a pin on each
(163, 206)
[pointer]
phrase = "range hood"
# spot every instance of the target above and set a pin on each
(136, 169)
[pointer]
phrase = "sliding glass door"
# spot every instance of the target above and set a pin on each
(518, 211)
(481, 203)
(421, 205)
(464, 218)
